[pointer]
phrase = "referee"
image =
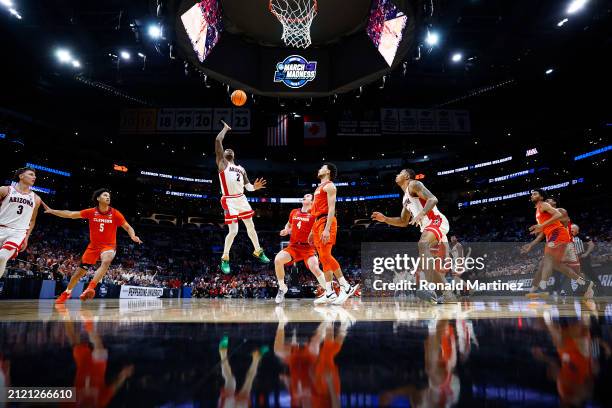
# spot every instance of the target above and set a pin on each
(584, 248)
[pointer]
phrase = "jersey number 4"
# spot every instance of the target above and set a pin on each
(299, 225)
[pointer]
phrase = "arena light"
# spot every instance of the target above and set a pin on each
(15, 13)
(63, 55)
(125, 55)
(457, 57)
(432, 39)
(562, 22)
(141, 55)
(7, 3)
(76, 64)
(549, 71)
(155, 32)
(576, 5)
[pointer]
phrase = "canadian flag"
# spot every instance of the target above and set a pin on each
(315, 131)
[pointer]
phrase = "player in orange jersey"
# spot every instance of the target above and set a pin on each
(557, 238)
(103, 223)
(298, 227)
(323, 235)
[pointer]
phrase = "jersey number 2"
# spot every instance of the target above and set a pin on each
(238, 177)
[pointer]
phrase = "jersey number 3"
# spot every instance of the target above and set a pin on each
(20, 210)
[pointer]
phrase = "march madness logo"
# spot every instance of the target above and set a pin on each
(295, 71)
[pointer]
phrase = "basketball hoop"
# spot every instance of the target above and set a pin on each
(296, 17)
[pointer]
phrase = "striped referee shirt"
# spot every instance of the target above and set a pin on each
(579, 244)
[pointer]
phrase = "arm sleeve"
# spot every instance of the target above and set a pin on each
(87, 213)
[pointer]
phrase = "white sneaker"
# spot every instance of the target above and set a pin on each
(344, 294)
(280, 296)
(326, 298)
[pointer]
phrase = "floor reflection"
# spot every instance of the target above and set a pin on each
(444, 360)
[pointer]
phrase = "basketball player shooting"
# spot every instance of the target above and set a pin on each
(298, 228)
(103, 223)
(419, 208)
(17, 215)
(234, 181)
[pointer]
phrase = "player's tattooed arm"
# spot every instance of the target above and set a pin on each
(126, 226)
(556, 215)
(402, 221)
(423, 193)
(221, 162)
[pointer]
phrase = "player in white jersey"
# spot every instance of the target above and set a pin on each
(234, 181)
(17, 215)
(419, 208)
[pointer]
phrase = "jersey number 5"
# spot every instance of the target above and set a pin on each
(101, 227)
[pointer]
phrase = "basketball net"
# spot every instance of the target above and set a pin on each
(296, 17)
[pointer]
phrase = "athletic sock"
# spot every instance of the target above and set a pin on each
(581, 281)
(344, 283)
(543, 285)
(92, 285)
(282, 286)
(68, 291)
(321, 280)
(328, 287)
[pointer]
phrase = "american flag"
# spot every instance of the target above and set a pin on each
(277, 131)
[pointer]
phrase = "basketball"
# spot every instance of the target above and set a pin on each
(239, 97)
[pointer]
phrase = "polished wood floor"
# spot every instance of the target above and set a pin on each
(253, 311)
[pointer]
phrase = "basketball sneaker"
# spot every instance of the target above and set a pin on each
(225, 266)
(62, 298)
(261, 256)
(280, 296)
(345, 293)
(326, 298)
(88, 294)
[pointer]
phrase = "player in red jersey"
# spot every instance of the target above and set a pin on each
(323, 235)
(557, 239)
(103, 223)
(570, 258)
(298, 227)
